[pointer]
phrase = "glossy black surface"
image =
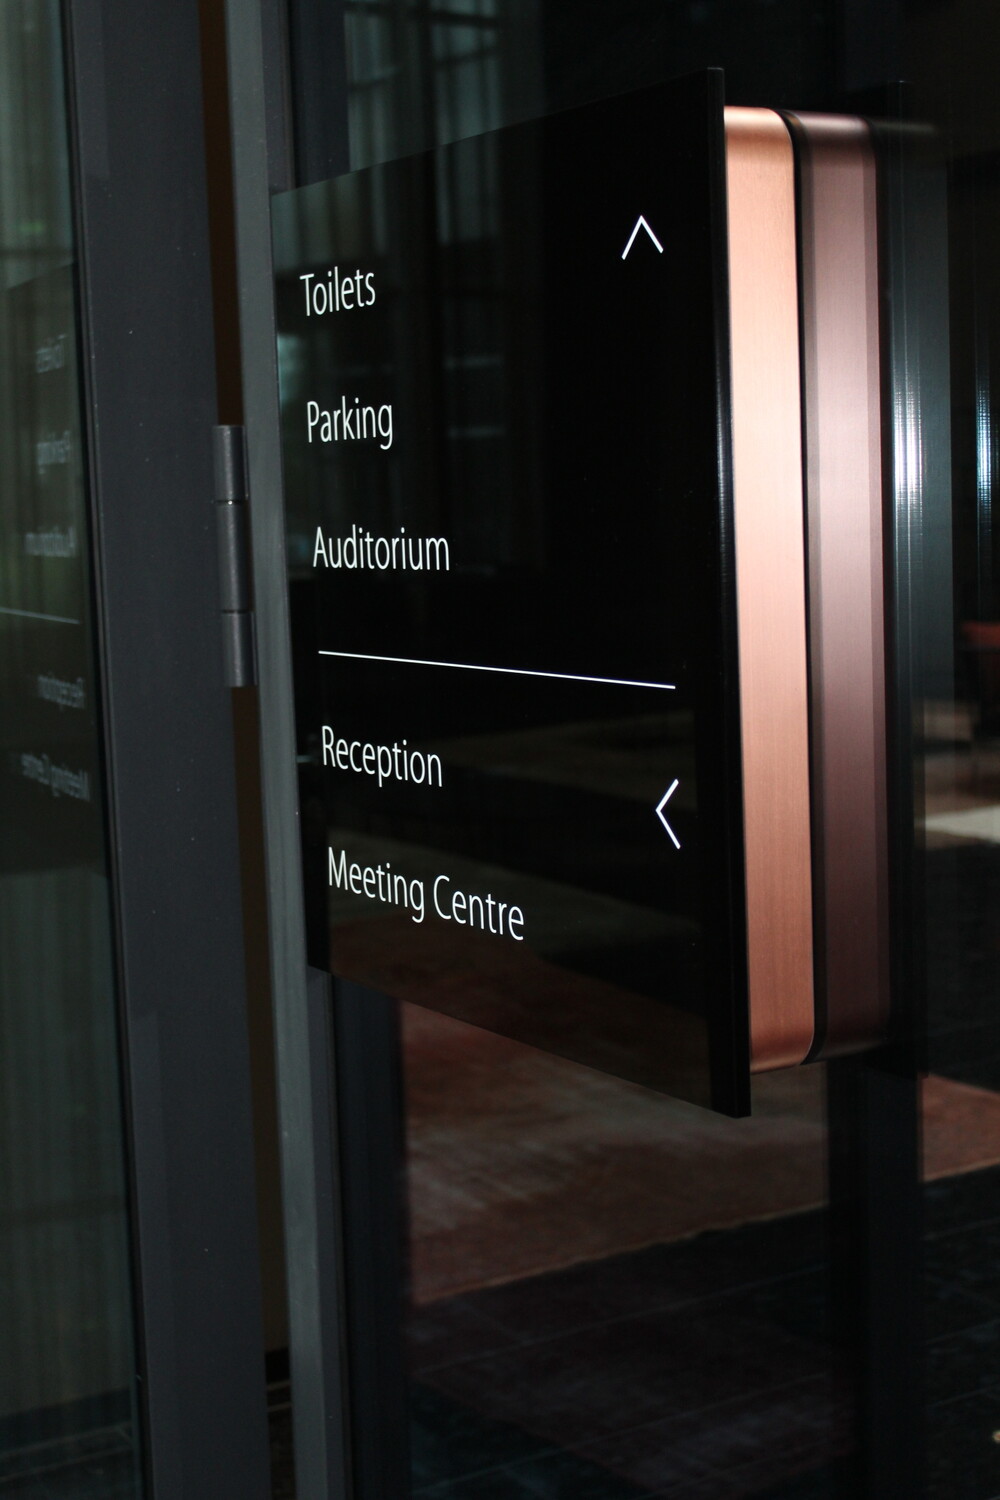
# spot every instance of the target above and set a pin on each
(547, 436)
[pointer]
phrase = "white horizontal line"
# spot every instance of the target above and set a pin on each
(465, 666)
(31, 614)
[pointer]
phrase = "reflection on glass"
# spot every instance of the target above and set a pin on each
(532, 1184)
(67, 1375)
(472, 68)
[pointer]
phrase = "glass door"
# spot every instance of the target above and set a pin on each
(132, 1359)
(570, 1282)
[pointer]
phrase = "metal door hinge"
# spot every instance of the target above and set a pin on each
(234, 556)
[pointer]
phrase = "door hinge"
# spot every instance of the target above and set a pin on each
(238, 639)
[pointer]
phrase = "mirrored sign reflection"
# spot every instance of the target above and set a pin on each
(67, 1376)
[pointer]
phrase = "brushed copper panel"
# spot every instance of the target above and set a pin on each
(839, 268)
(770, 583)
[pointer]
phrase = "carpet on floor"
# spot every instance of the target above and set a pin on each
(521, 1163)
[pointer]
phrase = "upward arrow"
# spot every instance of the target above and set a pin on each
(640, 223)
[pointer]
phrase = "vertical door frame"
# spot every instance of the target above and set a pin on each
(301, 996)
(141, 209)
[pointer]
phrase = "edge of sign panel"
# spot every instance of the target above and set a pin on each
(838, 241)
(770, 586)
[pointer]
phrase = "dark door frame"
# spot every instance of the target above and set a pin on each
(303, 1029)
(141, 208)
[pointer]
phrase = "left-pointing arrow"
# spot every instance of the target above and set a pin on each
(671, 789)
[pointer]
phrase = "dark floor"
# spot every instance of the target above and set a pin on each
(694, 1371)
(697, 1371)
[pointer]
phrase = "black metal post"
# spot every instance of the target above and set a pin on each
(876, 1210)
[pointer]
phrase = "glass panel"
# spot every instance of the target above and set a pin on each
(610, 1294)
(68, 1373)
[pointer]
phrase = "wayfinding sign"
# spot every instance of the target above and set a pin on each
(503, 385)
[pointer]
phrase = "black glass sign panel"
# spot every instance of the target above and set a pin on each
(503, 374)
